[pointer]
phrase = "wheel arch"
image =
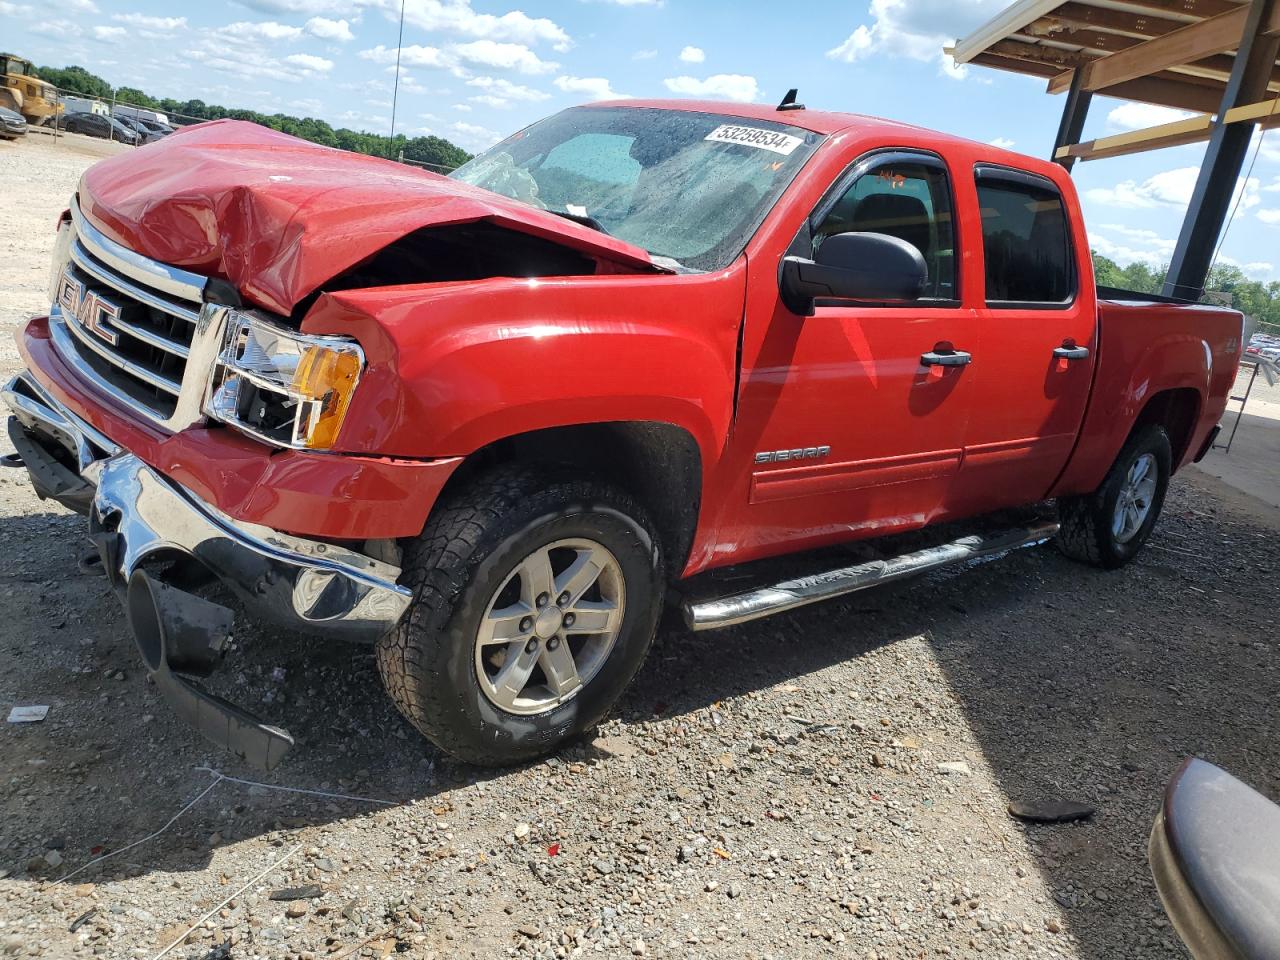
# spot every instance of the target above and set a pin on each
(1178, 411)
(658, 463)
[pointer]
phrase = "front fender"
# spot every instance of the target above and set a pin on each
(453, 367)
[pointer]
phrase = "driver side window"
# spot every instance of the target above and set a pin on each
(908, 200)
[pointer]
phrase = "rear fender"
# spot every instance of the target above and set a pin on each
(1131, 373)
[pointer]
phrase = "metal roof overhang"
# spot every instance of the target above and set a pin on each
(1173, 53)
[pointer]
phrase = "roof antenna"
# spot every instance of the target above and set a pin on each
(789, 101)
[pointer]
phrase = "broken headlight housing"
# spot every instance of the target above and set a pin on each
(284, 387)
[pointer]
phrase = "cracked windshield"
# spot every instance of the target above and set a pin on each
(690, 188)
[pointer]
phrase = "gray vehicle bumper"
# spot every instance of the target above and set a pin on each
(138, 518)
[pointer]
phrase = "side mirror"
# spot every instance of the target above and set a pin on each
(873, 267)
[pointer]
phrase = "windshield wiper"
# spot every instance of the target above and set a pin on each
(583, 219)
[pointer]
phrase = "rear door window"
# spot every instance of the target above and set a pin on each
(1026, 242)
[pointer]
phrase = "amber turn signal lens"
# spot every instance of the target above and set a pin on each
(328, 377)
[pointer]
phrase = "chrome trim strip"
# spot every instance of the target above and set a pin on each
(36, 408)
(790, 594)
(150, 337)
(310, 583)
(66, 348)
(150, 514)
(157, 380)
(152, 273)
(126, 286)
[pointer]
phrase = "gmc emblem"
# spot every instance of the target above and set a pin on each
(90, 309)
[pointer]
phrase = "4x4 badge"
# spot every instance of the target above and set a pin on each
(90, 309)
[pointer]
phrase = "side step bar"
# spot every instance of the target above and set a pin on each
(802, 591)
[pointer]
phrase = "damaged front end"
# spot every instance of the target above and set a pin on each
(142, 522)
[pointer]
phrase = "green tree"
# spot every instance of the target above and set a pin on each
(76, 80)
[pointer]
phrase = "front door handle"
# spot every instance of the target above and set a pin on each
(945, 358)
(1071, 352)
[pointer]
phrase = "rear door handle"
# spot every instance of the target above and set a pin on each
(945, 358)
(1065, 352)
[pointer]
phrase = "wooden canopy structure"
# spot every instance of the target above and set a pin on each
(1214, 58)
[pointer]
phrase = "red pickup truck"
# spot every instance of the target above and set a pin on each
(493, 422)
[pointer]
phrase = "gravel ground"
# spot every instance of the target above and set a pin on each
(830, 782)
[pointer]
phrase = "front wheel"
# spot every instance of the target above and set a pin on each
(1109, 527)
(536, 597)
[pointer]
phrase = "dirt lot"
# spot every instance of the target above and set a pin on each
(774, 790)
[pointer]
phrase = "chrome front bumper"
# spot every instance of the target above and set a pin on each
(139, 520)
(136, 514)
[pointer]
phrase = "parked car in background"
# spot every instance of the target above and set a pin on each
(12, 124)
(141, 130)
(155, 126)
(95, 125)
(141, 113)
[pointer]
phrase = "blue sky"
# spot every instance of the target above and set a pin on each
(475, 70)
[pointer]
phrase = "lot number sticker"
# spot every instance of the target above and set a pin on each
(782, 143)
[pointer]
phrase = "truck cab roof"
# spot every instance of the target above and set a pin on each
(825, 122)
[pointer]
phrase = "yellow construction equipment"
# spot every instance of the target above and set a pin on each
(22, 90)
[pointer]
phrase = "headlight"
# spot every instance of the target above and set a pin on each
(283, 387)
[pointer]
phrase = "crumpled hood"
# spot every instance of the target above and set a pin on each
(278, 216)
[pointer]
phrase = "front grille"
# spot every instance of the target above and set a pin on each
(131, 326)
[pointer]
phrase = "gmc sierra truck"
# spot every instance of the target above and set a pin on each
(493, 423)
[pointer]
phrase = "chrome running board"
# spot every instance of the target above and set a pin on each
(789, 594)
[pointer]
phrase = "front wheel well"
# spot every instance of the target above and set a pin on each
(657, 463)
(1177, 411)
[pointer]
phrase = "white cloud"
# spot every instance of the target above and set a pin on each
(1004, 143)
(1155, 247)
(633, 3)
(692, 55)
(259, 30)
(1269, 148)
(1270, 215)
(164, 24)
(327, 29)
(503, 56)
(78, 6)
(1138, 116)
(1173, 187)
(109, 34)
(1258, 270)
(56, 29)
(306, 7)
(457, 17)
(308, 62)
(457, 57)
(500, 92)
(593, 88)
(644, 54)
(8, 9)
(917, 30)
(724, 86)
(414, 55)
(472, 136)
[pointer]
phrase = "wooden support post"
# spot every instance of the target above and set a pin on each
(1223, 157)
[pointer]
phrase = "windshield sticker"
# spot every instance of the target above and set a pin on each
(782, 143)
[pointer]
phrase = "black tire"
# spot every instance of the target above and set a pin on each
(1087, 532)
(467, 550)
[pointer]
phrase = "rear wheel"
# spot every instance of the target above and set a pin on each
(536, 600)
(1109, 527)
